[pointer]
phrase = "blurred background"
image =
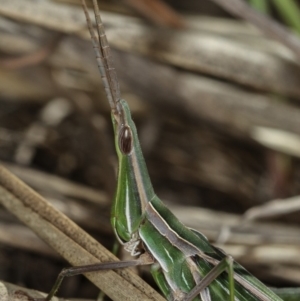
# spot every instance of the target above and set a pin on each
(216, 103)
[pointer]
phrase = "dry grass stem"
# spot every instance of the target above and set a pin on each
(69, 240)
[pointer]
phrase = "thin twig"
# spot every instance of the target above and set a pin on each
(34, 58)
(158, 12)
(69, 240)
(271, 28)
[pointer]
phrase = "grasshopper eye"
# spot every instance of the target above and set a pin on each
(125, 140)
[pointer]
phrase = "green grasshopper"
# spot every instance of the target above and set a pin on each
(184, 264)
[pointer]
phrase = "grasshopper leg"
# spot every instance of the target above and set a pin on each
(144, 259)
(225, 264)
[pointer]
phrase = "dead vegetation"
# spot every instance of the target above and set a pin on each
(217, 108)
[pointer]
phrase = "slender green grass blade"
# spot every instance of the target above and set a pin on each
(290, 12)
(261, 5)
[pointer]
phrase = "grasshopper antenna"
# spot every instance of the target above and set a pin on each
(104, 58)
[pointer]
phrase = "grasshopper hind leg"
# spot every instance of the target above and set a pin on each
(226, 264)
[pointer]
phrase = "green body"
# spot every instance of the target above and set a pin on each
(185, 264)
(141, 220)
